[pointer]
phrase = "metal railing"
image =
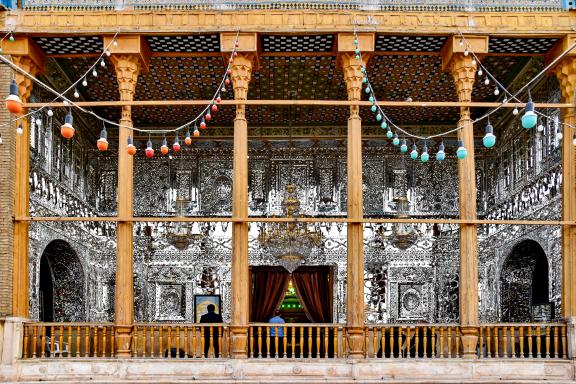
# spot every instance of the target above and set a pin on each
(361, 5)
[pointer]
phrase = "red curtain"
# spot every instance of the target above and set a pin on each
(314, 290)
(269, 288)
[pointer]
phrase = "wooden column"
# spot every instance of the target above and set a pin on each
(566, 74)
(127, 71)
(241, 75)
(463, 69)
(20, 274)
(351, 68)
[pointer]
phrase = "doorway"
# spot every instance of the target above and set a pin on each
(524, 292)
(61, 288)
(312, 288)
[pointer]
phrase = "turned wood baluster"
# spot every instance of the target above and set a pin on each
(513, 342)
(416, 341)
(538, 342)
(152, 341)
(211, 349)
(309, 352)
(374, 342)
(441, 341)
(564, 340)
(251, 341)
(481, 335)
(34, 340)
(134, 347)
(275, 340)
(408, 341)
(505, 340)
(367, 341)
(94, 338)
(293, 341)
(425, 353)
(382, 342)
(52, 341)
(336, 350)
(186, 341)
(433, 342)
(220, 350)
(449, 340)
(169, 340)
(547, 340)
(112, 341)
(522, 339)
(195, 342)
(86, 340)
(69, 341)
(496, 345)
(556, 352)
(285, 342)
(104, 334)
(27, 340)
(77, 353)
(43, 341)
(161, 341)
(399, 341)
(458, 340)
(259, 341)
(391, 337)
(268, 329)
(530, 350)
(318, 342)
(178, 341)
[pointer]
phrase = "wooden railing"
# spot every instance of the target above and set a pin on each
(515, 340)
(413, 341)
(302, 341)
(65, 340)
(180, 340)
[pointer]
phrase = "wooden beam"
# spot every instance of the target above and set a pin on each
(343, 103)
(203, 219)
(166, 21)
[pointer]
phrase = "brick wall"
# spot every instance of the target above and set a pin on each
(7, 173)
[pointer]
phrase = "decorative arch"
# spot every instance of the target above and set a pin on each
(62, 295)
(523, 281)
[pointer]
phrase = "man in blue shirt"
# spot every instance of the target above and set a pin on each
(277, 319)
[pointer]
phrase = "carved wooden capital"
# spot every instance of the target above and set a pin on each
(463, 70)
(351, 69)
(566, 75)
(25, 84)
(241, 74)
(127, 71)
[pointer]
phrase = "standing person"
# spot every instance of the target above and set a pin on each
(277, 319)
(211, 317)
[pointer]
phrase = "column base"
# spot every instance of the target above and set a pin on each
(356, 343)
(469, 337)
(12, 340)
(238, 342)
(123, 341)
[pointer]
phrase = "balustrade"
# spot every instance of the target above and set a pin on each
(516, 341)
(300, 341)
(413, 341)
(65, 340)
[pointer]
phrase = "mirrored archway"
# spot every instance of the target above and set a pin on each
(62, 293)
(524, 292)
